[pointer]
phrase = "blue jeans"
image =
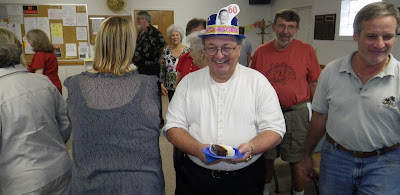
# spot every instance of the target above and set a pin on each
(341, 173)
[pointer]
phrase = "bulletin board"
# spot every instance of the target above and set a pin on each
(94, 24)
(69, 33)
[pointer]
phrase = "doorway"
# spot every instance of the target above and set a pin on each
(305, 33)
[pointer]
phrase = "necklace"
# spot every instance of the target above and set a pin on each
(383, 67)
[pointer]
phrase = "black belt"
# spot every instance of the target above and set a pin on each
(358, 154)
(295, 107)
(219, 174)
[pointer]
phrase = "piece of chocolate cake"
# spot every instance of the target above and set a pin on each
(222, 150)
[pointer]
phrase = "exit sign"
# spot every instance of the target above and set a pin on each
(30, 10)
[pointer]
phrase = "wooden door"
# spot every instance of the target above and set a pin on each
(161, 19)
(306, 20)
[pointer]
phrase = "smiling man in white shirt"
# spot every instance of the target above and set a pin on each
(229, 104)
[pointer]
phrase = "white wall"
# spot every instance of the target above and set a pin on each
(187, 9)
(67, 71)
(330, 50)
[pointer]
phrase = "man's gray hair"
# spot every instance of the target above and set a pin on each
(145, 15)
(176, 28)
(374, 10)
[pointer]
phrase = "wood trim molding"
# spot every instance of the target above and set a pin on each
(69, 63)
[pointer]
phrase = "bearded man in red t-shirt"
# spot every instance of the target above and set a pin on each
(292, 68)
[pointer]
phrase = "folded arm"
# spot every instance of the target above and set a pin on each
(39, 71)
(259, 144)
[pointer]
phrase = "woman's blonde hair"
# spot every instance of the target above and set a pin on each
(115, 46)
(11, 50)
(40, 41)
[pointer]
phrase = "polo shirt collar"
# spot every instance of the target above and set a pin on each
(389, 69)
(346, 64)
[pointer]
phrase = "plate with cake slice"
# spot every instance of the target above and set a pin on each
(222, 151)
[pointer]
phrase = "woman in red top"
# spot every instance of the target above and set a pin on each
(192, 61)
(44, 61)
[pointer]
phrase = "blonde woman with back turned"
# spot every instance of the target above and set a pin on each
(114, 114)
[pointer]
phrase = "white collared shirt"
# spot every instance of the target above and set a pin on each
(229, 113)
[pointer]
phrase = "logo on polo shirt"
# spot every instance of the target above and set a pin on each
(389, 102)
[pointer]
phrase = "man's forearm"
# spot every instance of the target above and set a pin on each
(265, 141)
(316, 131)
(313, 87)
(182, 140)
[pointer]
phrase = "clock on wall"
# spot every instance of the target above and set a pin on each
(116, 5)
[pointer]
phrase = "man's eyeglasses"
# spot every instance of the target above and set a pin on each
(224, 50)
(282, 27)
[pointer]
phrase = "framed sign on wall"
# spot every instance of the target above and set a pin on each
(324, 28)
